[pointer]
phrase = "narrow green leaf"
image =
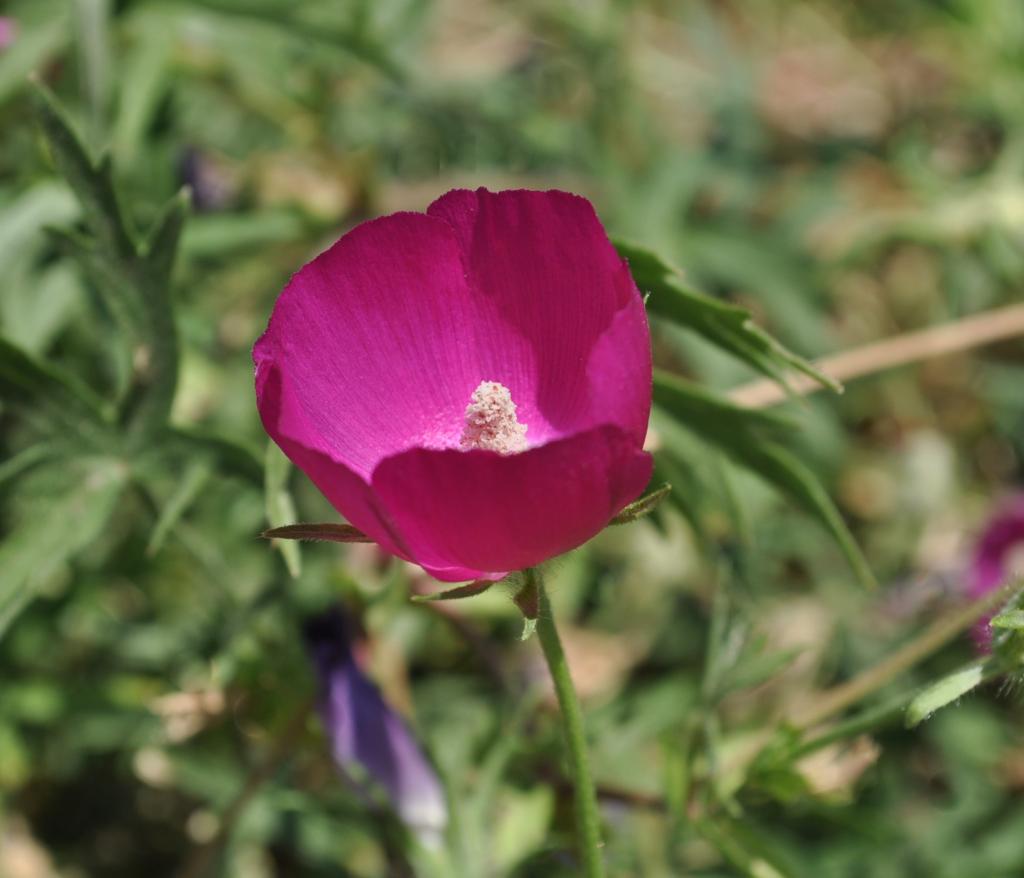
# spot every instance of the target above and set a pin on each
(144, 75)
(165, 235)
(229, 457)
(43, 31)
(40, 543)
(462, 591)
(280, 507)
(26, 459)
(55, 400)
(326, 532)
(727, 326)
(642, 507)
(192, 482)
(91, 180)
(743, 436)
(135, 286)
(947, 690)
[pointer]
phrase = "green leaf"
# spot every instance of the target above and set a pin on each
(53, 399)
(642, 507)
(134, 282)
(727, 326)
(165, 235)
(196, 475)
(327, 532)
(230, 458)
(54, 532)
(948, 689)
(1012, 619)
(280, 507)
(91, 181)
(43, 30)
(743, 435)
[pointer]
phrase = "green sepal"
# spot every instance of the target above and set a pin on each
(469, 590)
(642, 507)
(326, 532)
(528, 601)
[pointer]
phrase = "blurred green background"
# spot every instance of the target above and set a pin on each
(848, 171)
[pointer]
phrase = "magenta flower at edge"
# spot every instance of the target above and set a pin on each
(992, 563)
(470, 386)
(8, 31)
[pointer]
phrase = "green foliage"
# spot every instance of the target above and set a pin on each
(829, 175)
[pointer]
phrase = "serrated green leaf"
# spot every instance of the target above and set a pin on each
(727, 326)
(134, 283)
(745, 436)
(91, 180)
(280, 507)
(42, 542)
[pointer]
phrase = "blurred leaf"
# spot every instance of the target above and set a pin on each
(92, 182)
(41, 543)
(740, 433)
(143, 79)
(134, 283)
(742, 848)
(50, 397)
(947, 690)
(188, 488)
(1013, 619)
(42, 34)
(280, 507)
(730, 327)
(229, 457)
(162, 243)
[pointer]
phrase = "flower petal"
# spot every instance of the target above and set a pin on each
(544, 260)
(483, 512)
(285, 421)
(383, 342)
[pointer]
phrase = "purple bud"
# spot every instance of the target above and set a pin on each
(8, 31)
(364, 730)
(993, 562)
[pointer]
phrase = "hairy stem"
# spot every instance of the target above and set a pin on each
(588, 821)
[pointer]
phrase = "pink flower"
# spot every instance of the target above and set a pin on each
(993, 562)
(470, 386)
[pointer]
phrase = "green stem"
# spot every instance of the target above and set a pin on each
(588, 822)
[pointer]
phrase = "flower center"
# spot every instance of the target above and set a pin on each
(491, 422)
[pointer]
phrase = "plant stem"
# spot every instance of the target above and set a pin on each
(935, 636)
(588, 823)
